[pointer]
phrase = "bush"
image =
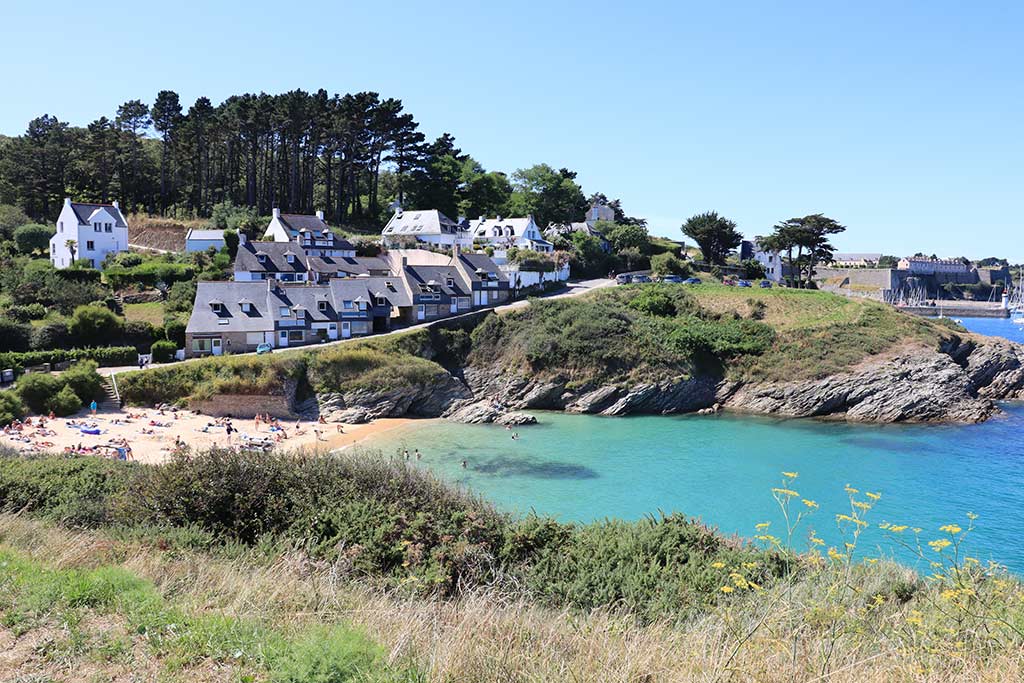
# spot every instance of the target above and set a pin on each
(95, 325)
(163, 351)
(37, 389)
(181, 297)
(64, 402)
(11, 407)
(140, 334)
(14, 336)
(84, 380)
(51, 336)
(669, 264)
(654, 302)
(231, 242)
(105, 356)
(11, 217)
(26, 312)
(174, 330)
(753, 269)
(33, 237)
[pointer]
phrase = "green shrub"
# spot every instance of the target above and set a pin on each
(174, 330)
(84, 380)
(653, 302)
(14, 336)
(26, 312)
(50, 336)
(140, 334)
(11, 407)
(163, 351)
(79, 491)
(95, 325)
(64, 402)
(37, 389)
(333, 654)
(105, 356)
(669, 264)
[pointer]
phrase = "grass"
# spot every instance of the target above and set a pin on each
(151, 312)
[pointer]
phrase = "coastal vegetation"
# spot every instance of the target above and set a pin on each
(280, 566)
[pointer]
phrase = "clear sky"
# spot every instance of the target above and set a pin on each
(902, 120)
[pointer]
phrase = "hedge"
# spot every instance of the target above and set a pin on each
(105, 356)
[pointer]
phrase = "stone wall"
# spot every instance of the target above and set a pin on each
(244, 406)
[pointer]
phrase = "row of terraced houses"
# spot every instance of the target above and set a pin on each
(303, 284)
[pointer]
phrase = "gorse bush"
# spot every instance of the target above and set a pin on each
(64, 402)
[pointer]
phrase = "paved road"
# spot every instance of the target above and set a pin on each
(575, 288)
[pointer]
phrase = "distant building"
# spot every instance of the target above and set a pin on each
(201, 240)
(430, 227)
(925, 266)
(504, 233)
(566, 230)
(774, 268)
(89, 232)
(285, 227)
(843, 260)
(600, 212)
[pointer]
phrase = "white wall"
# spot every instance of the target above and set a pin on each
(203, 245)
(103, 242)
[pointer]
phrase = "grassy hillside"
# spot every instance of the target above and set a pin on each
(650, 331)
(231, 568)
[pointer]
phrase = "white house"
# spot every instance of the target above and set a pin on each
(201, 240)
(503, 233)
(927, 266)
(285, 227)
(772, 261)
(88, 231)
(427, 226)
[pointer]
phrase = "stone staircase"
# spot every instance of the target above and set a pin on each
(111, 400)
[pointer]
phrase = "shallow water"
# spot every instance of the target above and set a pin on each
(722, 468)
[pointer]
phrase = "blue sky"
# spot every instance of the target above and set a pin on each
(902, 120)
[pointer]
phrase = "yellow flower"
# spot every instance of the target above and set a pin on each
(971, 516)
(951, 529)
(896, 528)
(940, 544)
(718, 565)
(871, 560)
(762, 525)
(873, 496)
(861, 505)
(749, 565)
(835, 554)
(786, 492)
(849, 489)
(727, 589)
(879, 599)
(790, 475)
(817, 541)
(811, 505)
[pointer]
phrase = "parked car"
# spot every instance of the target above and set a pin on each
(691, 281)
(674, 279)
(264, 348)
(729, 282)
(743, 283)
(622, 279)
(641, 278)
(766, 284)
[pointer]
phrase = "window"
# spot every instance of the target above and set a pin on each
(216, 306)
(381, 301)
(262, 258)
(321, 305)
(291, 258)
(285, 312)
(296, 335)
(90, 245)
(362, 305)
(108, 228)
(97, 227)
(202, 345)
(246, 307)
(300, 313)
(347, 305)
(92, 263)
(450, 282)
(60, 226)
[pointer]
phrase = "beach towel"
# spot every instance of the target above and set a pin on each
(91, 430)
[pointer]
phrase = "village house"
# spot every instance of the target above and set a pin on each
(428, 227)
(285, 227)
(567, 229)
(505, 233)
(88, 232)
(919, 265)
(313, 258)
(843, 260)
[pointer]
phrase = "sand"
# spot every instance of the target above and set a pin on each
(151, 434)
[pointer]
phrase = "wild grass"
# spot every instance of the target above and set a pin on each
(151, 312)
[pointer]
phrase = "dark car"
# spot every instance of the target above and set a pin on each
(622, 279)
(674, 279)
(743, 283)
(766, 284)
(691, 281)
(641, 278)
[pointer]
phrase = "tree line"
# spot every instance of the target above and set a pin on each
(349, 155)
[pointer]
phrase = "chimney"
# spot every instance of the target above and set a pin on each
(116, 205)
(242, 239)
(498, 219)
(455, 251)
(405, 262)
(67, 201)
(277, 212)
(320, 215)
(271, 284)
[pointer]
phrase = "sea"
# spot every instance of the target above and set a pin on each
(722, 469)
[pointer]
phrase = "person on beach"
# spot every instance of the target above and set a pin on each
(341, 428)
(417, 454)
(142, 362)
(93, 406)
(229, 430)
(463, 464)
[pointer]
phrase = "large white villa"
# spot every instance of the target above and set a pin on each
(88, 231)
(503, 233)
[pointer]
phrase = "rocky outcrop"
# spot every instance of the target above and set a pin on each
(516, 419)
(960, 382)
(363, 405)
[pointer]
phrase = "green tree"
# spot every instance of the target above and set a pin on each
(95, 325)
(484, 194)
(11, 217)
(166, 119)
(33, 237)
(36, 390)
(11, 408)
(626, 236)
(550, 196)
(670, 264)
(808, 237)
(715, 235)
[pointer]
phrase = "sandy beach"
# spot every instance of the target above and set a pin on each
(151, 433)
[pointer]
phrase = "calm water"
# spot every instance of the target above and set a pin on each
(721, 469)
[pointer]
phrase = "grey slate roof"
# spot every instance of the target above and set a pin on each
(194, 234)
(481, 262)
(84, 211)
(204, 320)
(429, 222)
(336, 242)
(247, 257)
(358, 265)
(439, 275)
(297, 221)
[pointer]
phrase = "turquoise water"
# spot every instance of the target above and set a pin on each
(721, 468)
